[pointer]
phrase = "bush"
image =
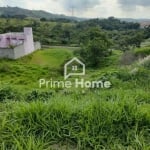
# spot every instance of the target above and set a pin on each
(124, 75)
(145, 62)
(95, 48)
(36, 95)
(8, 93)
(142, 74)
(4, 68)
(142, 52)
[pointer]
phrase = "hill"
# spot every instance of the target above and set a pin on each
(142, 22)
(20, 12)
(17, 12)
(134, 20)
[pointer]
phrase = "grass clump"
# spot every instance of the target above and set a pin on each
(145, 62)
(86, 124)
(8, 93)
(37, 95)
(142, 52)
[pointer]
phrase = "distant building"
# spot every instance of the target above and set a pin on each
(16, 45)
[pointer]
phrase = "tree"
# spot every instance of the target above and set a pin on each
(95, 47)
(129, 40)
(43, 19)
(136, 40)
(147, 32)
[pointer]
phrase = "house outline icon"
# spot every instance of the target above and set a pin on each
(67, 75)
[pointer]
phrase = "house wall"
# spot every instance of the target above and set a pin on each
(15, 53)
(25, 40)
(6, 53)
(28, 43)
(8, 39)
(12, 53)
(19, 51)
(4, 42)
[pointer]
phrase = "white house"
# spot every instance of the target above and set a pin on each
(15, 45)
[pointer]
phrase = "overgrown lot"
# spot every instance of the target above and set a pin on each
(75, 119)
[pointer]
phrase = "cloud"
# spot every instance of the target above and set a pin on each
(13, 3)
(134, 3)
(87, 8)
(79, 5)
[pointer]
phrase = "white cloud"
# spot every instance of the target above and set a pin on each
(47, 5)
(79, 5)
(134, 3)
(20, 3)
(87, 8)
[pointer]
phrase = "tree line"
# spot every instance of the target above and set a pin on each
(95, 37)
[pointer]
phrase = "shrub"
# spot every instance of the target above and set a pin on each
(8, 93)
(96, 48)
(4, 68)
(124, 75)
(142, 73)
(36, 95)
(142, 52)
(145, 62)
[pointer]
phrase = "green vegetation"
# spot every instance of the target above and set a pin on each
(26, 71)
(111, 24)
(50, 57)
(37, 119)
(124, 35)
(34, 118)
(142, 52)
(82, 122)
(95, 47)
(16, 12)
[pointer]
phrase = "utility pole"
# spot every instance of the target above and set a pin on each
(72, 11)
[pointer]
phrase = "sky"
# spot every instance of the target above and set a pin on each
(87, 8)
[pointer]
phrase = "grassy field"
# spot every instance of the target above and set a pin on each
(27, 71)
(73, 119)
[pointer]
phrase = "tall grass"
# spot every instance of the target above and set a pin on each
(85, 122)
(76, 119)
